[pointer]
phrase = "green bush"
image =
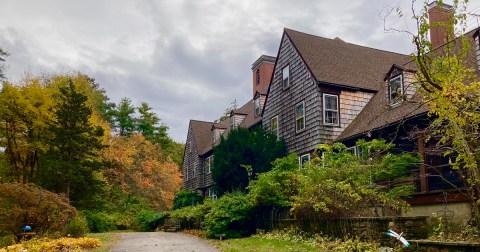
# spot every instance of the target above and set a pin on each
(230, 216)
(191, 217)
(186, 198)
(99, 222)
(149, 220)
(77, 227)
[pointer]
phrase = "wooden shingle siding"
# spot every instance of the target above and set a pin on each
(238, 119)
(282, 102)
(207, 177)
(477, 45)
(190, 160)
(409, 85)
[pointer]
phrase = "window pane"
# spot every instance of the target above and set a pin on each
(331, 102)
(299, 111)
(395, 88)
(286, 76)
(331, 117)
(300, 124)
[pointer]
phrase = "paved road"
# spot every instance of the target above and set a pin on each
(161, 242)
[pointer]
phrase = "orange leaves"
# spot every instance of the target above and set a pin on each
(140, 168)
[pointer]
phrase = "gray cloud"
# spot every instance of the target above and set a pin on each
(187, 59)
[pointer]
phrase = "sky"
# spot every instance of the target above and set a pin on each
(188, 59)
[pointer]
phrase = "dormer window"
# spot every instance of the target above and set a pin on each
(232, 121)
(286, 77)
(257, 106)
(395, 89)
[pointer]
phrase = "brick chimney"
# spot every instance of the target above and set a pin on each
(262, 70)
(437, 16)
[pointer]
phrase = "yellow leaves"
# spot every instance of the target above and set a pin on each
(55, 245)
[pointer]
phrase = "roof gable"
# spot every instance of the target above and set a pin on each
(334, 61)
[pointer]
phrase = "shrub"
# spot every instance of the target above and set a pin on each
(27, 204)
(49, 245)
(77, 227)
(186, 198)
(99, 222)
(149, 220)
(230, 216)
(191, 217)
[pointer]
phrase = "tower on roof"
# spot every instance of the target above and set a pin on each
(262, 70)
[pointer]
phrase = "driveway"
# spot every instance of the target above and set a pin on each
(161, 242)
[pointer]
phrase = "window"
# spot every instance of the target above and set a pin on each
(194, 170)
(303, 160)
(258, 77)
(208, 164)
(211, 193)
(330, 109)
(286, 77)
(257, 106)
(353, 150)
(300, 116)
(274, 125)
(232, 121)
(395, 89)
(186, 172)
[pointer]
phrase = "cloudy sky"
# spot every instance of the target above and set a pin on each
(186, 58)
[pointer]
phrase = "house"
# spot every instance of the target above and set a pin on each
(203, 136)
(328, 90)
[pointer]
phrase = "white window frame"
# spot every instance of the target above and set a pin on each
(232, 121)
(274, 130)
(186, 173)
(301, 162)
(353, 150)
(325, 109)
(211, 193)
(209, 162)
(256, 103)
(286, 71)
(397, 100)
(298, 118)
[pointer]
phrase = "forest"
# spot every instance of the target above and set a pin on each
(67, 150)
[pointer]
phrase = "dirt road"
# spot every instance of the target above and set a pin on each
(161, 242)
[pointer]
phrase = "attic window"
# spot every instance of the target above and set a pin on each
(232, 121)
(258, 77)
(395, 89)
(286, 77)
(257, 106)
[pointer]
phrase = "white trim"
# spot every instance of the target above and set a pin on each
(300, 159)
(325, 110)
(303, 116)
(276, 130)
(394, 102)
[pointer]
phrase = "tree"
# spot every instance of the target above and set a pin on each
(26, 111)
(342, 185)
(3, 54)
(124, 117)
(244, 150)
(139, 168)
(452, 91)
(74, 148)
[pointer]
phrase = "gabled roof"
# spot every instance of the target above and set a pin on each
(202, 133)
(335, 61)
(378, 113)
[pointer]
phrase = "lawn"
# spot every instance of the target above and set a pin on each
(250, 244)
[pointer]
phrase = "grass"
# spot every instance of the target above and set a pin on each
(252, 244)
(108, 240)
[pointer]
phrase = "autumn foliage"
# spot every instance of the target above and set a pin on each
(139, 168)
(27, 204)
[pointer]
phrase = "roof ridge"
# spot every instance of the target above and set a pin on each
(201, 121)
(341, 40)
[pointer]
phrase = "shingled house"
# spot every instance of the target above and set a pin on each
(203, 136)
(327, 90)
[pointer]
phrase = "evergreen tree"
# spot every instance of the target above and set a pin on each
(244, 150)
(73, 156)
(125, 120)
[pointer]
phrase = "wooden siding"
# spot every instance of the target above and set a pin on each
(477, 45)
(351, 104)
(216, 134)
(282, 102)
(238, 119)
(190, 160)
(409, 85)
(207, 177)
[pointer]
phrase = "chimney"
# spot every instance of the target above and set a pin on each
(439, 16)
(262, 70)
